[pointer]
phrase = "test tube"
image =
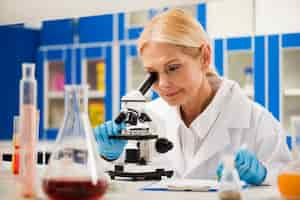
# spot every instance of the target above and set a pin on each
(28, 127)
(15, 165)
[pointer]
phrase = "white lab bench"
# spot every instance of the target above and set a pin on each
(129, 190)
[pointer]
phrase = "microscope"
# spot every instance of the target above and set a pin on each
(142, 140)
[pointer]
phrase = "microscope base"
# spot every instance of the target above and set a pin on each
(156, 174)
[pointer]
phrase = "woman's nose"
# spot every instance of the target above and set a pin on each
(163, 81)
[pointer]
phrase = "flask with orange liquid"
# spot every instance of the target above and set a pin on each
(289, 179)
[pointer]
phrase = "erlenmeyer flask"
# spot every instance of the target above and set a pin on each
(230, 181)
(75, 171)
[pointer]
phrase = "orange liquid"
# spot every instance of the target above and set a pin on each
(16, 162)
(16, 156)
(289, 185)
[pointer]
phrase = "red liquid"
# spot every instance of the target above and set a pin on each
(73, 189)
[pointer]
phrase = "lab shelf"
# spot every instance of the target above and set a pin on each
(137, 18)
(93, 68)
(54, 78)
(237, 61)
(135, 73)
(290, 85)
(292, 92)
(290, 107)
(94, 94)
(290, 68)
(55, 95)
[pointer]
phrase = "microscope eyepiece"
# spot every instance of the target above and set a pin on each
(147, 83)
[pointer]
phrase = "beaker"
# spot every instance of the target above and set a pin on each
(75, 170)
(289, 178)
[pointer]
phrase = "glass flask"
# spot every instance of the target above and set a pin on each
(289, 178)
(75, 171)
(230, 187)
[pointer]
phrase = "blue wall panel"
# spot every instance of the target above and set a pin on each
(273, 81)
(68, 64)
(51, 133)
(108, 82)
(201, 14)
(40, 92)
(239, 43)
(219, 56)
(291, 40)
(78, 66)
(121, 26)
(133, 51)
(93, 52)
(57, 32)
(259, 70)
(134, 33)
(55, 55)
(123, 72)
(18, 45)
(96, 29)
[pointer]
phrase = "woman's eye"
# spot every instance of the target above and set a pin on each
(173, 67)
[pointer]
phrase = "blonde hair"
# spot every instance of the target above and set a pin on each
(175, 27)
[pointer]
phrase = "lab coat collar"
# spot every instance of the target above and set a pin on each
(205, 120)
(238, 104)
(235, 113)
(238, 109)
(230, 102)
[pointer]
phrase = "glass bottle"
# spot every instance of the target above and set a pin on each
(248, 73)
(75, 170)
(230, 181)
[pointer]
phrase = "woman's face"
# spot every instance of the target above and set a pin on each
(180, 76)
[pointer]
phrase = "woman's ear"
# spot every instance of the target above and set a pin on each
(205, 56)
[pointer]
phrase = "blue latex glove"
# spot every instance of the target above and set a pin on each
(109, 148)
(249, 168)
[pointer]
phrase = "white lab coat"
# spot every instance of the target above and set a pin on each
(231, 120)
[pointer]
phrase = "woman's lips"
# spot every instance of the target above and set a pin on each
(171, 94)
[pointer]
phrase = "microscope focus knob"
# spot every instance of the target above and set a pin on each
(120, 118)
(163, 145)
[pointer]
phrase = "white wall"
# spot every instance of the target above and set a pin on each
(229, 18)
(245, 17)
(277, 16)
(20, 11)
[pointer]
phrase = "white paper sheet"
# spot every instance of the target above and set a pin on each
(197, 185)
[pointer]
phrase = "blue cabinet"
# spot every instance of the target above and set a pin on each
(96, 29)
(18, 45)
(56, 32)
(80, 52)
(284, 82)
(239, 57)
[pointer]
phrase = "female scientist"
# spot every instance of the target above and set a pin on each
(205, 116)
